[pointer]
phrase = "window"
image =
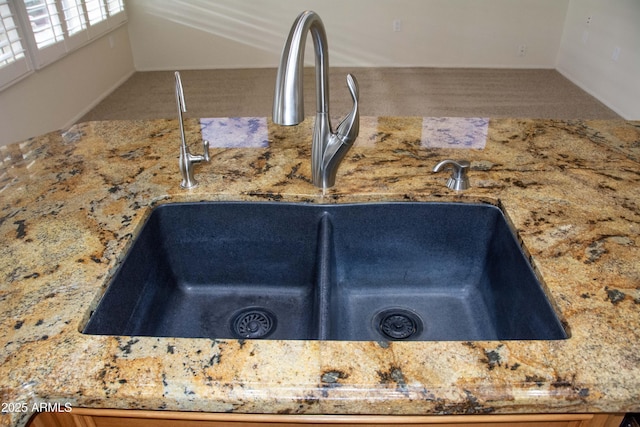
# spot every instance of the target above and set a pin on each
(35, 33)
(74, 15)
(13, 60)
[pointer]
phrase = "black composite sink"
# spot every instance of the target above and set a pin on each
(375, 271)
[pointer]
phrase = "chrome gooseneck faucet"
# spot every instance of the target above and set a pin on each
(328, 147)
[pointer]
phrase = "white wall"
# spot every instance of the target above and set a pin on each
(587, 49)
(59, 94)
(200, 34)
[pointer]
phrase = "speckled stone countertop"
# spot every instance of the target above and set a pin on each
(71, 202)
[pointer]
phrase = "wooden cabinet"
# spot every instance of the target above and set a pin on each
(81, 417)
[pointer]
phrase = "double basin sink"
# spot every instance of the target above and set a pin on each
(372, 272)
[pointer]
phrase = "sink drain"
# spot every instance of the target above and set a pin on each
(253, 323)
(398, 323)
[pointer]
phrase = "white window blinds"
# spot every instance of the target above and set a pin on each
(52, 28)
(13, 60)
(74, 17)
(45, 23)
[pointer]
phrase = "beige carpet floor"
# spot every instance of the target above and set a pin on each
(436, 92)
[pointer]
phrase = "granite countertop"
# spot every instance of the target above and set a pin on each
(72, 201)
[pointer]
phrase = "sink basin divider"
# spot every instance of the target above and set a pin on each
(323, 276)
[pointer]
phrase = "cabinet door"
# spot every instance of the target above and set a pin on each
(81, 417)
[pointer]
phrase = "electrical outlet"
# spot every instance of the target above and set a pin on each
(616, 54)
(397, 25)
(522, 50)
(589, 20)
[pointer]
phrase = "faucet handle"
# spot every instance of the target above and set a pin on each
(349, 128)
(205, 148)
(458, 179)
(196, 158)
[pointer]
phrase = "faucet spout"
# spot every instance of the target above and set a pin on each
(328, 148)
